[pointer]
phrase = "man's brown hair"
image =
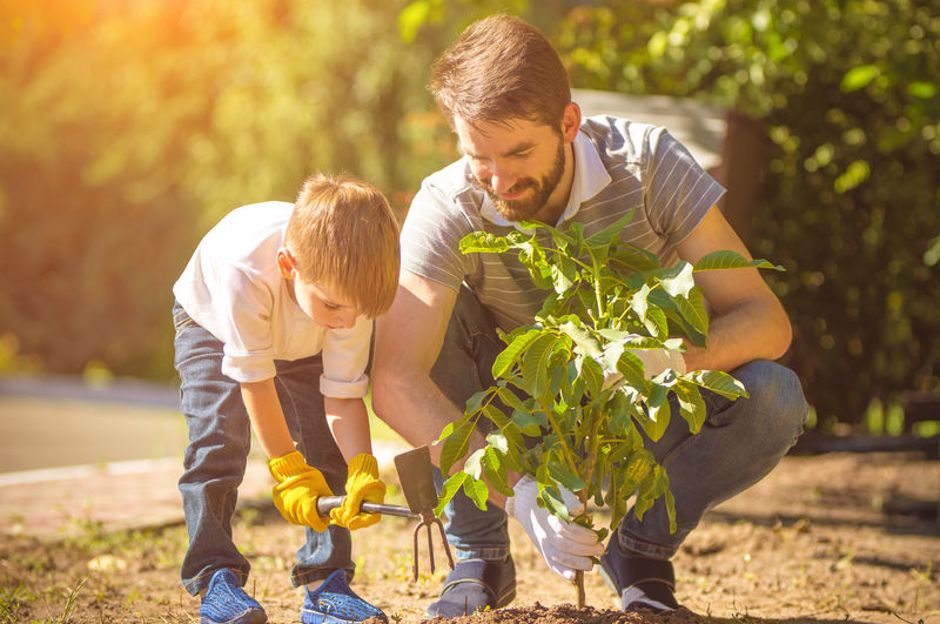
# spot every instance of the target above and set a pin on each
(501, 68)
(342, 233)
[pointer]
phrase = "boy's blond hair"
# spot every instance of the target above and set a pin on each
(343, 234)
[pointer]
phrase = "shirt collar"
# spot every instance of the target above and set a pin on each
(590, 178)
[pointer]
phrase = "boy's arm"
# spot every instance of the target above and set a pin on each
(298, 485)
(267, 417)
(349, 423)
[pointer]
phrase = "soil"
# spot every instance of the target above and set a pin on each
(814, 542)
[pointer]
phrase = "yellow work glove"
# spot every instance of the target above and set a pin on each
(297, 490)
(362, 484)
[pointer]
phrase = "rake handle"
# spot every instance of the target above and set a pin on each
(325, 504)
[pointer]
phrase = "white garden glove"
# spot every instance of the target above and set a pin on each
(566, 546)
(654, 362)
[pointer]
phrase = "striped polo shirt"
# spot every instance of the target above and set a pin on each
(620, 165)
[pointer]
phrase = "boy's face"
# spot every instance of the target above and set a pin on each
(321, 302)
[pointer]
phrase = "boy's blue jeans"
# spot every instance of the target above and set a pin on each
(739, 444)
(215, 460)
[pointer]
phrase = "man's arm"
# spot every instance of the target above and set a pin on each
(749, 322)
(407, 342)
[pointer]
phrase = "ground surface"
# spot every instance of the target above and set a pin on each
(811, 543)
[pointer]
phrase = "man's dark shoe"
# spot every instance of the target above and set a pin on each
(474, 585)
(641, 582)
(226, 602)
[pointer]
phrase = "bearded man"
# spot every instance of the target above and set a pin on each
(528, 155)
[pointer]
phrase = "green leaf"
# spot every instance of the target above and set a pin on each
(585, 342)
(446, 431)
(483, 242)
(932, 255)
(678, 281)
(477, 491)
(451, 486)
(527, 422)
(732, 260)
(605, 237)
(495, 470)
(691, 405)
(859, 77)
(639, 303)
(857, 172)
(592, 374)
(472, 466)
(564, 274)
(658, 412)
(455, 446)
(693, 310)
(923, 90)
(509, 398)
(634, 258)
(670, 505)
(509, 356)
(497, 440)
(631, 368)
(495, 415)
(535, 363)
(475, 402)
(563, 475)
(718, 382)
(412, 18)
(551, 500)
(667, 307)
(656, 323)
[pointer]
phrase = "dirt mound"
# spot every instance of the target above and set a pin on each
(566, 614)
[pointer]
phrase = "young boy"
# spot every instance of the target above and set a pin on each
(273, 327)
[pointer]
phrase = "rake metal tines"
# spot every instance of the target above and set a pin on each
(426, 521)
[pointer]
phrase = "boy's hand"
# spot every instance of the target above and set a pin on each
(297, 490)
(362, 484)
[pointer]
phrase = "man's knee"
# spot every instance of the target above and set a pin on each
(775, 399)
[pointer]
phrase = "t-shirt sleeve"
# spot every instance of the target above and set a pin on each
(345, 358)
(430, 239)
(678, 191)
(243, 317)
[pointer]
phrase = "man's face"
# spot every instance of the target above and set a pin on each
(519, 163)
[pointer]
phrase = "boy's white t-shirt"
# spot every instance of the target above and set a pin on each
(232, 287)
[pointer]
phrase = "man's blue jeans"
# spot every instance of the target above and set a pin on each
(215, 460)
(739, 444)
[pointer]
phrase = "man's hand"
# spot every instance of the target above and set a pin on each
(297, 490)
(566, 546)
(362, 484)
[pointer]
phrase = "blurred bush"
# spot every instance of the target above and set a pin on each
(131, 127)
(851, 204)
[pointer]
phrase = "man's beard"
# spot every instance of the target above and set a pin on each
(526, 208)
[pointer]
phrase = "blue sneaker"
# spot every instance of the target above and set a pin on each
(226, 602)
(334, 602)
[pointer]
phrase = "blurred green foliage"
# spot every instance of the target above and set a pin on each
(130, 127)
(848, 90)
